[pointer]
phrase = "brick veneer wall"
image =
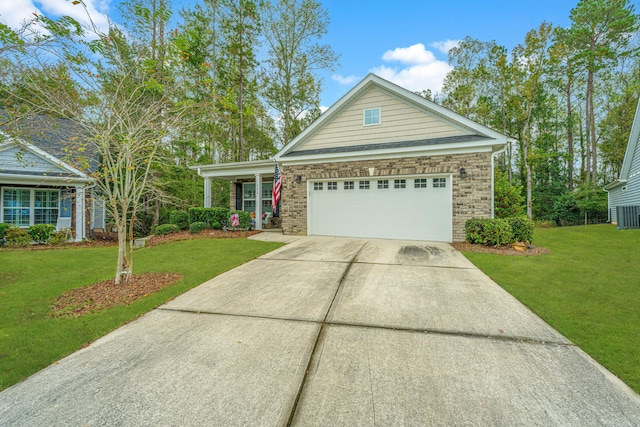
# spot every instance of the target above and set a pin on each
(471, 195)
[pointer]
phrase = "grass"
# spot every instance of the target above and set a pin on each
(588, 289)
(31, 280)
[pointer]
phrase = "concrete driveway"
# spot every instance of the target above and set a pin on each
(331, 332)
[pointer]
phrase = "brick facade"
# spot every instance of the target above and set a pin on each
(471, 195)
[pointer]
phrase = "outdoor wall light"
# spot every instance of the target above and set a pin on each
(298, 179)
(463, 173)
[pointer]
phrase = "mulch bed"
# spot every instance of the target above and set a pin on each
(106, 294)
(500, 250)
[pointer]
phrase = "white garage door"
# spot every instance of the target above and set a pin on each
(413, 208)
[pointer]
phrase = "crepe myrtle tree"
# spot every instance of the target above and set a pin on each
(111, 93)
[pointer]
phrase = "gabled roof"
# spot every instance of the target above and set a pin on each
(470, 135)
(21, 171)
(633, 145)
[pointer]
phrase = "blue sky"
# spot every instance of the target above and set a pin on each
(403, 41)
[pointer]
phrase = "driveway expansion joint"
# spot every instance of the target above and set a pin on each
(319, 334)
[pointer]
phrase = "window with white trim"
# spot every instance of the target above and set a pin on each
(400, 183)
(249, 196)
(383, 184)
(439, 182)
(363, 185)
(28, 206)
(332, 185)
(317, 186)
(348, 185)
(420, 183)
(372, 116)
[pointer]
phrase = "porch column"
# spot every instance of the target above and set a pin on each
(258, 201)
(207, 192)
(80, 206)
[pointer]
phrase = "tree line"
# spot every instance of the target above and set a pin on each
(565, 97)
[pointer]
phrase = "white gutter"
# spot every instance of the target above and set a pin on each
(493, 196)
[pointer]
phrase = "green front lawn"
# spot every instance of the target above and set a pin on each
(588, 288)
(31, 280)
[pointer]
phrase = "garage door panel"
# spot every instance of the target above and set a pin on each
(399, 213)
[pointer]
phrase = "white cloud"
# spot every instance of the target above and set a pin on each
(345, 80)
(445, 46)
(15, 12)
(421, 70)
(415, 54)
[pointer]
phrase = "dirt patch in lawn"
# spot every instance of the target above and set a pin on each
(205, 234)
(103, 295)
(500, 250)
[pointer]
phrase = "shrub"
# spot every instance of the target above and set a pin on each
(60, 237)
(244, 217)
(3, 232)
(213, 217)
(509, 199)
(197, 227)
(488, 231)
(522, 228)
(41, 233)
(16, 236)
(179, 218)
(165, 229)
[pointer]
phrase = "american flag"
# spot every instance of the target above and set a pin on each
(277, 183)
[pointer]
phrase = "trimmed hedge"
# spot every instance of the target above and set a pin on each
(41, 233)
(522, 228)
(497, 231)
(165, 229)
(179, 218)
(197, 227)
(213, 217)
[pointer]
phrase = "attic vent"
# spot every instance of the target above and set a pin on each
(372, 116)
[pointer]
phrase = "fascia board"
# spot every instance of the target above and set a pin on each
(615, 184)
(386, 154)
(42, 180)
(232, 171)
(632, 145)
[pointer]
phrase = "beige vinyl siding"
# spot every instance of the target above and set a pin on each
(399, 122)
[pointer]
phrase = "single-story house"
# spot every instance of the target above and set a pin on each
(624, 193)
(382, 162)
(37, 187)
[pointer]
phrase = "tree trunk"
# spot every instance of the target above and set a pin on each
(121, 266)
(529, 180)
(569, 134)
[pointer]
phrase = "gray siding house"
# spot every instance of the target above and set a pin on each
(382, 162)
(37, 187)
(625, 192)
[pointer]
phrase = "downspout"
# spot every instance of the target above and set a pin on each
(493, 159)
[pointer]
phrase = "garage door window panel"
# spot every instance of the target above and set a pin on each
(400, 183)
(383, 184)
(348, 185)
(420, 183)
(439, 182)
(363, 185)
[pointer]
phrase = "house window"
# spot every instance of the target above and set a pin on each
(317, 186)
(45, 206)
(25, 207)
(400, 183)
(372, 116)
(439, 182)
(383, 183)
(249, 197)
(363, 185)
(420, 183)
(332, 185)
(348, 185)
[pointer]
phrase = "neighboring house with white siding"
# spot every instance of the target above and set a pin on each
(37, 187)
(624, 193)
(382, 162)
